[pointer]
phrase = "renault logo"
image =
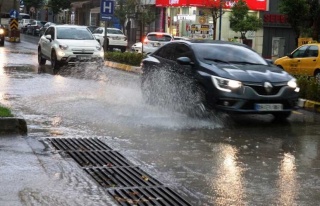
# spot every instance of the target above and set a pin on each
(268, 87)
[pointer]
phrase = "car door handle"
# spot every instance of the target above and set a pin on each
(314, 60)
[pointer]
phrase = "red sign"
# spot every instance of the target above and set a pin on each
(275, 18)
(256, 5)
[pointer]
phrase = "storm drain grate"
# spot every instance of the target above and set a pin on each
(109, 158)
(122, 177)
(127, 184)
(148, 196)
(83, 144)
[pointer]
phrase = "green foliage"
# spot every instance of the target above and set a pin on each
(33, 3)
(309, 88)
(5, 112)
(129, 58)
(297, 12)
(59, 5)
(123, 8)
(241, 21)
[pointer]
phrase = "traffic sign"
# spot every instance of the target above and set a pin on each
(106, 9)
(14, 14)
(13, 24)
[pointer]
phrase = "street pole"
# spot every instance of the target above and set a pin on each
(220, 19)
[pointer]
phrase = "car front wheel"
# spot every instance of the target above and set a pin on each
(41, 60)
(55, 64)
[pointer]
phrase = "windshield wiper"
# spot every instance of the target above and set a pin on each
(216, 60)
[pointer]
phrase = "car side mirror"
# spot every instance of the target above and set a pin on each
(289, 55)
(48, 36)
(184, 61)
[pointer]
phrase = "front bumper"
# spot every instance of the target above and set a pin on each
(245, 100)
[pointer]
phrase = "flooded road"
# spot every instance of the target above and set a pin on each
(242, 160)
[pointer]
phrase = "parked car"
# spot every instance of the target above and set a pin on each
(115, 38)
(23, 24)
(199, 76)
(304, 60)
(2, 35)
(44, 28)
(69, 45)
(152, 42)
(34, 27)
(92, 28)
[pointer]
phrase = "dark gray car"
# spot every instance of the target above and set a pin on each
(206, 75)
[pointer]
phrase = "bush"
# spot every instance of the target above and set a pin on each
(5, 112)
(309, 88)
(129, 58)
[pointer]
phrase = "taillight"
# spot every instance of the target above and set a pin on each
(145, 41)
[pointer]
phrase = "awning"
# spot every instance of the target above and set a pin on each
(95, 10)
(79, 4)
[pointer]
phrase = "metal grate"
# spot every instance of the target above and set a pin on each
(122, 177)
(148, 196)
(81, 144)
(109, 158)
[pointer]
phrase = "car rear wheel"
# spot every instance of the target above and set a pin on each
(55, 64)
(2, 42)
(41, 60)
(123, 49)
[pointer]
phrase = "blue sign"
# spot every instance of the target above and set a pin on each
(14, 14)
(106, 9)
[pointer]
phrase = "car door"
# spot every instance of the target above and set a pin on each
(294, 64)
(309, 62)
(46, 43)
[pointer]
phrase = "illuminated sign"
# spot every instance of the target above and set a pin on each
(256, 5)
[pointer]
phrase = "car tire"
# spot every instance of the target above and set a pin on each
(33, 33)
(41, 60)
(281, 116)
(123, 49)
(198, 105)
(317, 75)
(55, 64)
(2, 42)
(147, 88)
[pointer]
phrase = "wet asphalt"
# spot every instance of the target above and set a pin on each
(240, 160)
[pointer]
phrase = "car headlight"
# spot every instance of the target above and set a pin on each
(98, 47)
(292, 83)
(63, 47)
(226, 85)
(1, 31)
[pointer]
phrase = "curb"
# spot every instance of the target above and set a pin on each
(309, 105)
(11, 125)
(123, 67)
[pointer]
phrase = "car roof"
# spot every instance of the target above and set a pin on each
(164, 33)
(210, 41)
(68, 25)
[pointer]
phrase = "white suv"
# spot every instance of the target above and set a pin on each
(69, 45)
(116, 38)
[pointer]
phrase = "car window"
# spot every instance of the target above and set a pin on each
(73, 33)
(167, 52)
(209, 53)
(182, 50)
(114, 31)
(312, 51)
(159, 37)
(97, 31)
(300, 52)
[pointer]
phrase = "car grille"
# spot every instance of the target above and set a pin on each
(82, 51)
(261, 90)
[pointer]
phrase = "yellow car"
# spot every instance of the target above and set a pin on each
(304, 60)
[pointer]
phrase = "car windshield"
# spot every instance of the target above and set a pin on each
(73, 33)
(226, 53)
(159, 37)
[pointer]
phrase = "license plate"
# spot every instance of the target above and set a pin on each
(83, 57)
(268, 107)
(116, 38)
(156, 44)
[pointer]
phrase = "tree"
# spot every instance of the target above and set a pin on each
(33, 3)
(241, 21)
(58, 5)
(213, 9)
(297, 14)
(314, 18)
(124, 8)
